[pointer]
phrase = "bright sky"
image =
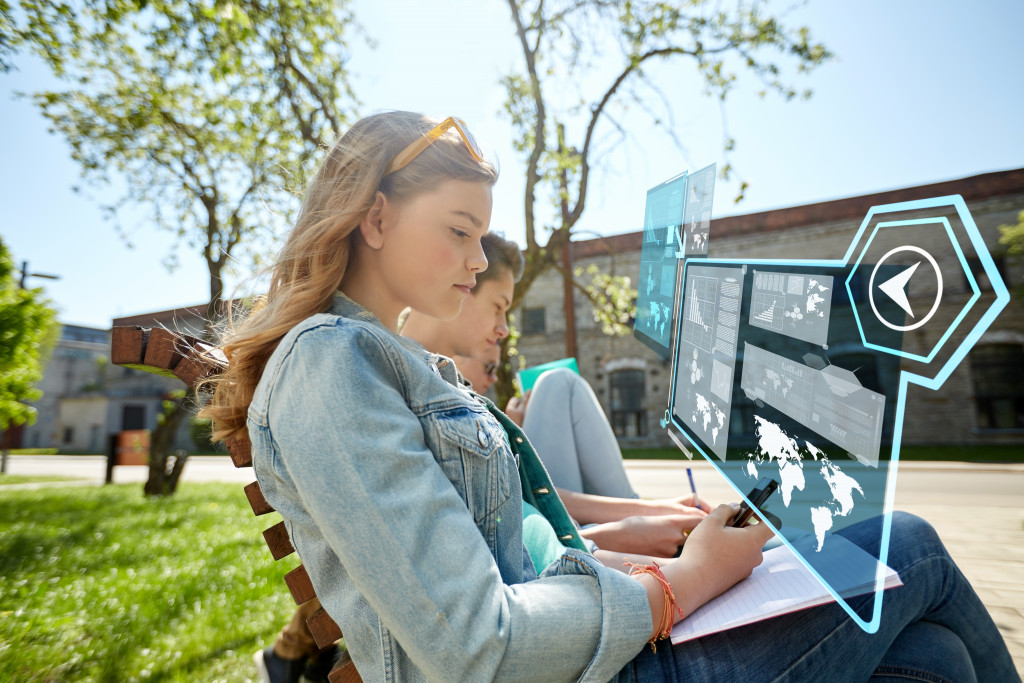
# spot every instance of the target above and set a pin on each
(922, 91)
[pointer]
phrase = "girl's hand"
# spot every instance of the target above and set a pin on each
(659, 536)
(676, 506)
(715, 557)
(690, 500)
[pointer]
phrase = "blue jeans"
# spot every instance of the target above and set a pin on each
(934, 628)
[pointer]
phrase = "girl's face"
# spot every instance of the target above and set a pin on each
(430, 251)
(483, 322)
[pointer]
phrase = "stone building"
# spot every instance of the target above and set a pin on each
(73, 370)
(85, 399)
(982, 402)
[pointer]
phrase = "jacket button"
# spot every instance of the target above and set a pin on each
(541, 491)
(481, 436)
(519, 439)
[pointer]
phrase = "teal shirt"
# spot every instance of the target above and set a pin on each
(540, 538)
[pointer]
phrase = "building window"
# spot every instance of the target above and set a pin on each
(997, 371)
(69, 435)
(533, 321)
(980, 276)
(629, 418)
(133, 417)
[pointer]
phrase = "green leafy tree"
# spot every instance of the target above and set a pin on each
(1013, 237)
(573, 85)
(206, 112)
(28, 330)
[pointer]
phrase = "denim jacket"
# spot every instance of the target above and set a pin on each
(400, 492)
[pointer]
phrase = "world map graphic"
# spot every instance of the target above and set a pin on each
(707, 414)
(774, 445)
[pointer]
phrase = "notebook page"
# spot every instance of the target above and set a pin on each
(782, 584)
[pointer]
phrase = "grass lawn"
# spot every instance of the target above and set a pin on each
(101, 584)
(941, 453)
(31, 478)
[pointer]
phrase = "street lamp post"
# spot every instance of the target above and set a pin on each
(25, 275)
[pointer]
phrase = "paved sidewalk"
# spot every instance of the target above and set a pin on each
(978, 511)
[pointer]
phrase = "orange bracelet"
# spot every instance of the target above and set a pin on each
(665, 625)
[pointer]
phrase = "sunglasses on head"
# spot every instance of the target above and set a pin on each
(416, 147)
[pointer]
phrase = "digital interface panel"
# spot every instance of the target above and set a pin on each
(700, 194)
(707, 352)
(792, 304)
(804, 405)
(659, 254)
(677, 225)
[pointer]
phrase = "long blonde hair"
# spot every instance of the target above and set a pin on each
(313, 260)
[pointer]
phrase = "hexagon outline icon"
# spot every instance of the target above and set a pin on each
(959, 318)
(987, 263)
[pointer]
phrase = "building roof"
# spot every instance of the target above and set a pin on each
(973, 188)
(81, 333)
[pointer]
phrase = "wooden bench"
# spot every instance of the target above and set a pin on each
(191, 360)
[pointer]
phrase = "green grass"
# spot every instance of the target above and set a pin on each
(31, 478)
(101, 584)
(987, 454)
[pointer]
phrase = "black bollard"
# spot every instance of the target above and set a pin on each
(111, 458)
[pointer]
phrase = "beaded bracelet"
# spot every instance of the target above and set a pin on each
(669, 604)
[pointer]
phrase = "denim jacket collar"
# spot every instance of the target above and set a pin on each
(345, 307)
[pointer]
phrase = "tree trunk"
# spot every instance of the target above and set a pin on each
(165, 468)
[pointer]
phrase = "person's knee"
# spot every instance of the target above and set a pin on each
(912, 527)
(561, 380)
(925, 651)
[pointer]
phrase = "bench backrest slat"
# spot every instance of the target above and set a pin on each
(257, 502)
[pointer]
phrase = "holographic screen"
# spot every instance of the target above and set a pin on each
(677, 221)
(799, 370)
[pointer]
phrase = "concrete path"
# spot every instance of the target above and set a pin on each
(978, 511)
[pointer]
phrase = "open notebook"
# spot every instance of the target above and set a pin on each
(782, 584)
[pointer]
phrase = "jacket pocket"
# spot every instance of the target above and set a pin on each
(473, 452)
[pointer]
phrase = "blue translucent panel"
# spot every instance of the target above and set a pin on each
(700, 193)
(762, 395)
(659, 253)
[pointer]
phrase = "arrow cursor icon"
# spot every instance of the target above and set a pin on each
(896, 288)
